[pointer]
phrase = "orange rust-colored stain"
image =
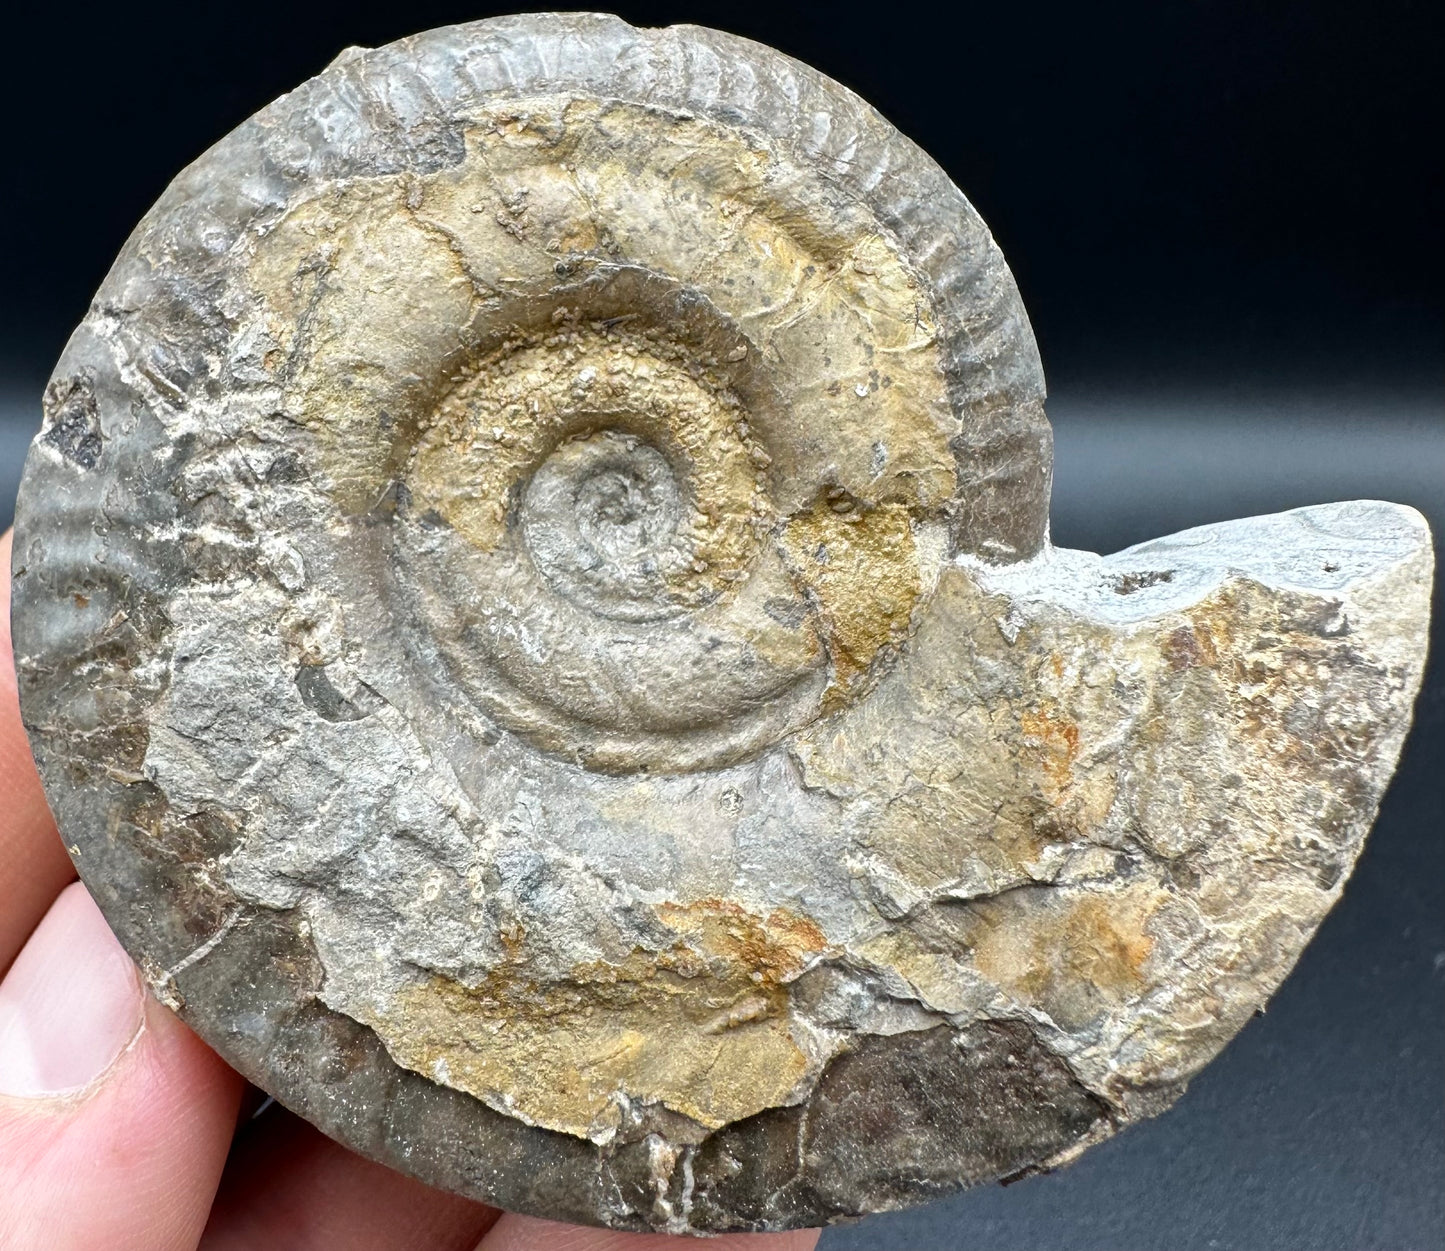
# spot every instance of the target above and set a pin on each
(1208, 636)
(1057, 737)
(513, 938)
(1104, 945)
(774, 948)
(1071, 958)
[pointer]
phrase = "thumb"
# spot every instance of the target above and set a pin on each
(114, 1118)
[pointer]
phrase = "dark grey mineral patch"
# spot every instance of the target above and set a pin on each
(72, 421)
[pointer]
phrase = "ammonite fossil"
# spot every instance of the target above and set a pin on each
(534, 609)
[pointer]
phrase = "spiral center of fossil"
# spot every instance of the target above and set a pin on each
(602, 519)
(633, 545)
(614, 509)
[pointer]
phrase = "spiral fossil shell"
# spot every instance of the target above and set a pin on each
(534, 611)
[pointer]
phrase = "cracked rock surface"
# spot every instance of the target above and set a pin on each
(534, 610)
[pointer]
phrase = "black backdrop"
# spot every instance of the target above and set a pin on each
(1210, 186)
(1225, 220)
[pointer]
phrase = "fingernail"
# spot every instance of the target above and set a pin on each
(70, 1004)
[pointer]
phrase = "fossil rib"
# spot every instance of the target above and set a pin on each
(534, 611)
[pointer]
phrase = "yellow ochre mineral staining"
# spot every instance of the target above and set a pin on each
(700, 1027)
(377, 290)
(863, 577)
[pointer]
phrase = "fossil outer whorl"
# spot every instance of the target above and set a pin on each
(533, 608)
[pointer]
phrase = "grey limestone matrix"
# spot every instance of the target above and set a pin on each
(535, 612)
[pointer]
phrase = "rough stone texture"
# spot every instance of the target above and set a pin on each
(534, 611)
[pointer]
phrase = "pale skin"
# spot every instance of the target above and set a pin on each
(120, 1129)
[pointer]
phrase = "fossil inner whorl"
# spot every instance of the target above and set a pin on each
(670, 431)
(603, 518)
(629, 462)
(597, 505)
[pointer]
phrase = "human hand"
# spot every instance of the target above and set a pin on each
(121, 1131)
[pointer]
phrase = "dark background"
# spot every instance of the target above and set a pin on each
(1225, 219)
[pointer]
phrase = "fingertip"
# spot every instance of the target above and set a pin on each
(69, 1005)
(115, 1119)
(33, 864)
